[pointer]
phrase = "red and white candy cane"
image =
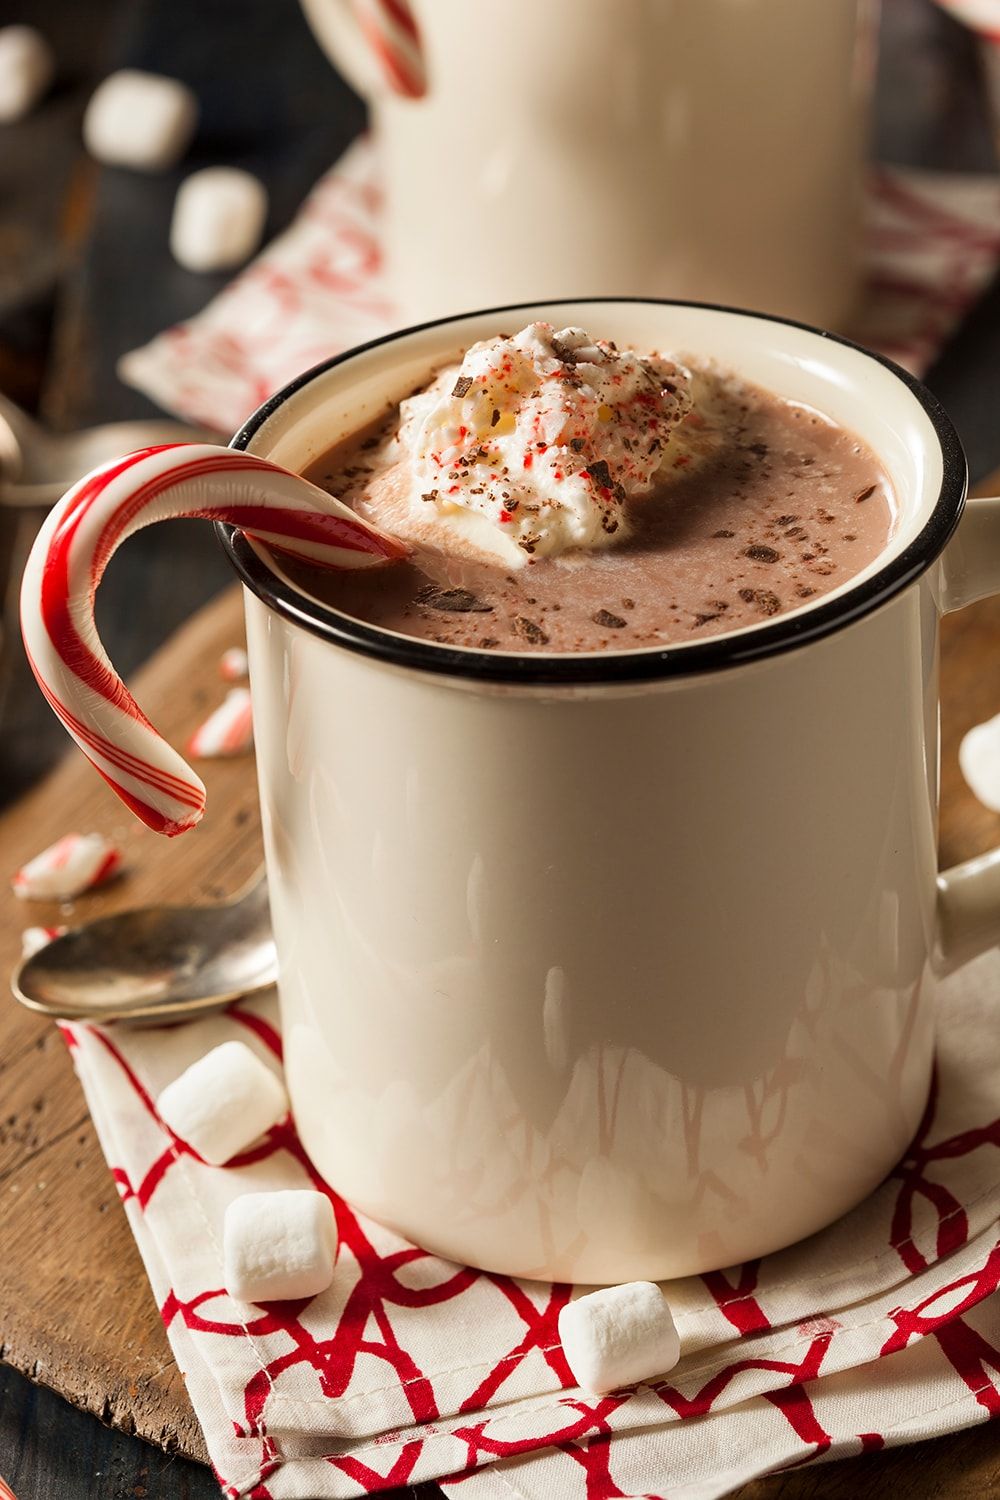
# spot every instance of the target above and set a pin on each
(72, 551)
(391, 33)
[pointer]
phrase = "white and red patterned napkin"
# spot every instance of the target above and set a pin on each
(933, 243)
(880, 1330)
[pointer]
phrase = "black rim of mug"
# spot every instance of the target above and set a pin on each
(784, 633)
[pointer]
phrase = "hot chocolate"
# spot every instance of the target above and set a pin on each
(756, 506)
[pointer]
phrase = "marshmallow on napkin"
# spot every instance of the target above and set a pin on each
(618, 1336)
(223, 1102)
(280, 1246)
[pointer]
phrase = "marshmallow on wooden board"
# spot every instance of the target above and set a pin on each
(223, 1102)
(140, 120)
(27, 68)
(73, 864)
(218, 219)
(979, 758)
(618, 1336)
(280, 1246)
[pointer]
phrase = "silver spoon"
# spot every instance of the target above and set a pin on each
(160, 963)
(38, 466)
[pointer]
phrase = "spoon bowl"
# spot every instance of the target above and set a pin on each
(156, 964)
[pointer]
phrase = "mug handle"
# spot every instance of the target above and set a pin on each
(968, 908)
(78, 539)
(374, 43)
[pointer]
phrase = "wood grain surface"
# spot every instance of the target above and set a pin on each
(76, 1312)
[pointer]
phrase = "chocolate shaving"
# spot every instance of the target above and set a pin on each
(452, 601)
(488, 641)
(766, 602)
(605, 618)
(495, 417)
(530, 631)
(704, 619)
(722, 534)
(430, 495)
(865, 494)
(628, 603)
(463, 385)
(576, 444)
(600, 473)
(564, 352)
(759, 553)
(785, 520)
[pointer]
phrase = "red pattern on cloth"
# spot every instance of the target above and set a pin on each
(883, 1329)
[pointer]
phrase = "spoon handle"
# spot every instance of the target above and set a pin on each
(69, 557)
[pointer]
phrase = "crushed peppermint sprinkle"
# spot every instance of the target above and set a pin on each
(544, 437)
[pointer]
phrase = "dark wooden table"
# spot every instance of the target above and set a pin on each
(85, 275)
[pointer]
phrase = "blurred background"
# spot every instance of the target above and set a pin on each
(87, 275)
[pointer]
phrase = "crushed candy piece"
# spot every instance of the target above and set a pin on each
(76, 863)
(34, 939)
(233, 664)
(226, 731)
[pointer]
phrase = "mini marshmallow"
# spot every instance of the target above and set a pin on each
(223, 1102)
(140, 120)
(233, 664)
(618, 1336)
(218, 219)
(226, 731)
(75, 863)
(34, 939)
(27, 67)
(979, 758)
(279, 1247)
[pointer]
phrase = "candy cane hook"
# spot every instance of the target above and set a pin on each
(71, 552)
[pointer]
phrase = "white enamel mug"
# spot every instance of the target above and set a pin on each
(708, 149)
(614, 965)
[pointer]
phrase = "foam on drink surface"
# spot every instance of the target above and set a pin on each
(753, 506)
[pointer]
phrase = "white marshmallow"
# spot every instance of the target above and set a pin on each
(223, 1102)
(618, 1336)
(27, 68)
(979, 758)
(278, 1247)
(140, 120)
(218, 219)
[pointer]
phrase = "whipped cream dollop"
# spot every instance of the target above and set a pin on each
(535, 444)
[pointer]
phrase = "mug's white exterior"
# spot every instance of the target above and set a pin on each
(607, 982)
(706, 149)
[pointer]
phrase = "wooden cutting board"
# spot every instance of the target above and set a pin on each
(75, 1309)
